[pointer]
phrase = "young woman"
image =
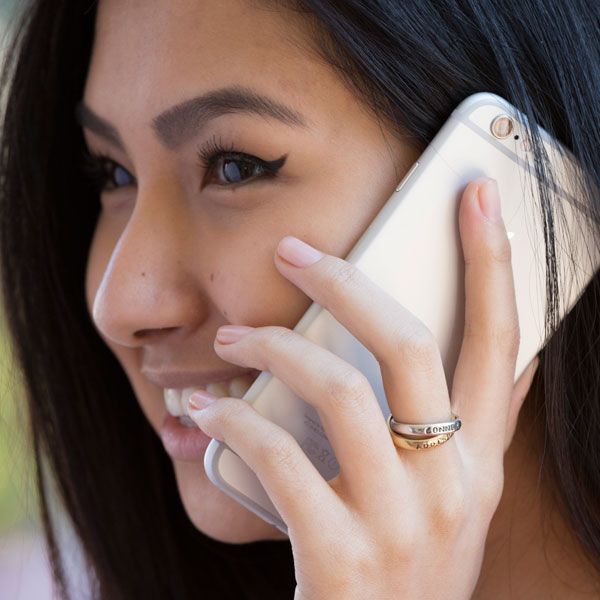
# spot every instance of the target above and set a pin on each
(159, 162)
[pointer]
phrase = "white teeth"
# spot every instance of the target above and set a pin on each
(176, 400)
(173, 401)
(184, 396)
(218, 389)
(239, 386)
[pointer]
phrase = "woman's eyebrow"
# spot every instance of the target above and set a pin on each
(182, 122)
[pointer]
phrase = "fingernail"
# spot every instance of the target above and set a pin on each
(200, 399)
(297, 252)
(228, 334)
(489, 200)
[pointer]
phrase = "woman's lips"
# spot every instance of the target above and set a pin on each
(181, 442)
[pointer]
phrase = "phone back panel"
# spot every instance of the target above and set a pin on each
(412, 250)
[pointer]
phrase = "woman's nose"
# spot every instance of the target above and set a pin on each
(150, 283)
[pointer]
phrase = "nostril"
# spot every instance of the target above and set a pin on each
(145, 333)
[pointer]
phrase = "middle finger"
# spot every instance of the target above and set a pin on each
(408, 355)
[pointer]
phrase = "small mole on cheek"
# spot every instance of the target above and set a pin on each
(212, 276)
(143, 274)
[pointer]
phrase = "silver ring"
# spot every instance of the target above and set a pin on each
(425, 429)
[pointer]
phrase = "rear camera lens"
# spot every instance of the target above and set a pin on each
(501, 126)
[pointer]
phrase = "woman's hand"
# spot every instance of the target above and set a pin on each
(394, 523)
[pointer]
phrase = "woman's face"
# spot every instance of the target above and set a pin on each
(180, 250)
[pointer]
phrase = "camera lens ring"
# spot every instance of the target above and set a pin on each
(501, 126)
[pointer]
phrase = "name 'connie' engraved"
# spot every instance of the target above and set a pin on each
(442, 429)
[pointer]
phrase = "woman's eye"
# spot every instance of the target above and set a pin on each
(105, 174)
(223, 167)
(227, 166)
(227, 171)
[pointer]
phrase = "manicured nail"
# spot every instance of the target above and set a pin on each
(228, 334)
(201, 399)
(297, 252)
(489, 200)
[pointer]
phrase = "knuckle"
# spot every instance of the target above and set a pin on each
(499, 252)
(342, 276)
(348, 389)
(274, 338)
(418, 347)
(356, 549)
(362, 565)
(397, 551)
(277, 450)
(228, 411)
(450, 510)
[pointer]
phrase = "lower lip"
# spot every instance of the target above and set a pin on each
(181, 442)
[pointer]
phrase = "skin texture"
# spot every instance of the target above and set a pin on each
(170, 263)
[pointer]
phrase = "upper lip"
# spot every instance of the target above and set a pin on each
(184, 379)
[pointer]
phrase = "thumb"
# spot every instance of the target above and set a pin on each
(517, 398)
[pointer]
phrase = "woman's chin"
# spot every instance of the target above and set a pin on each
(216, 514)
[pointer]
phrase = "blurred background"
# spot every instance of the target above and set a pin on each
(24, 573)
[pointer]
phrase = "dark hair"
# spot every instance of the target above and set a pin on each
(411, 63)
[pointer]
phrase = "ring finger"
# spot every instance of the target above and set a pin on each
(409, 358)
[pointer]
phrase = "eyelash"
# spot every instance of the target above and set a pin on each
(213, 150)
(98, 167)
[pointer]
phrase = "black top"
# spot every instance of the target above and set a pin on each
(252, 571)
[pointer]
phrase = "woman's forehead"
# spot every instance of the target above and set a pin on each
(164, 48)
(151, 55)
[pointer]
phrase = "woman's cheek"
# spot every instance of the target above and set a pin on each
(149, 397)
(248, 289)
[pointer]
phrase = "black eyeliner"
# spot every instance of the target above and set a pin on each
(213, 151)
(275, 165)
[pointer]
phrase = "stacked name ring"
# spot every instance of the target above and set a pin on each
(417, 436)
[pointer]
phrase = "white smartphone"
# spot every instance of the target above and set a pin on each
(418, 226)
